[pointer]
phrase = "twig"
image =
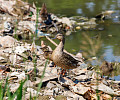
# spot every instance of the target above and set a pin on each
(57, 45)
(55, 26)
(52, 41)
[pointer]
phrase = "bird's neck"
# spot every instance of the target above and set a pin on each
(60, 47)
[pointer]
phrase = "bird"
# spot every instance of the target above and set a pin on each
(61, 58)
(104, 14)
(45, 16)
(106, 67)
(43, 12)
(47, 52)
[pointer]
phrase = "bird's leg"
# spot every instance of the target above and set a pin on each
(54, 64)
(63, 72)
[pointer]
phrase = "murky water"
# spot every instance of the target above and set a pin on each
(110, 36)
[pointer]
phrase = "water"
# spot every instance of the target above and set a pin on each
(110, 36)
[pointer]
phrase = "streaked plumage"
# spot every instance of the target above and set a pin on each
(62, 59)
(47, 53)
(43, 12)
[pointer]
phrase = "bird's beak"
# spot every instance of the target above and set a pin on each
(54, 37)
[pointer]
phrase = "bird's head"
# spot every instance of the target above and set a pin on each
(59, 36)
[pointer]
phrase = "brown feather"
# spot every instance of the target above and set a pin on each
(43, 12)
(62, 59)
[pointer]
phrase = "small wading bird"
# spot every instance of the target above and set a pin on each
(43, 12)
(106, 68)
(45, 16)
(47, 53)
(104, 14)
(62, 59)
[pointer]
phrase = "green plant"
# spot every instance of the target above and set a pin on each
(5, 92)
(40, 84)
(37, 16)
(90, 46)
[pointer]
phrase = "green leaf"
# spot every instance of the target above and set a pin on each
(1, 92)
(18, 92)
(5, 87)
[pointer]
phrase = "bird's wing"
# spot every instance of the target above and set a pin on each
(70, 58)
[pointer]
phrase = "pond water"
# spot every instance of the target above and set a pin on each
(110, 35)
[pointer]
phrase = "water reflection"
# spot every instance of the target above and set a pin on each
(90, 6)
(79, 11)
(118, 3)
(109, 55)
(116, 78)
